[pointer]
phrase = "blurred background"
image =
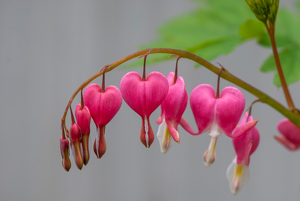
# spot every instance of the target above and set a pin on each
(48, 48)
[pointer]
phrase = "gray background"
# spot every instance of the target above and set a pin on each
(48, 48)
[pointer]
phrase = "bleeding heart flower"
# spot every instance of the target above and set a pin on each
(75, 138)
(103, 106)
(144, 96)
(238, 171)
(290, 137)
(64, 150)
(172, 109)
(217, 115)
(83, 118)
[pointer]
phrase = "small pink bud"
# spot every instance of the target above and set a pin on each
(144, 97)
(75, 137)
(83, 118)
(64, 150)
(103, 106)
(290, 137)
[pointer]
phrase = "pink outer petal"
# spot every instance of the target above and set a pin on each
(75, 133)
(159, 120)
(243, 129)
(289, 131)
(103, 106)
(144, 96)
(202, 101)
(229, 109)
(176, 101)
(174, 105)
(241, 143)
(185, 125)
(83, 118)
(285, 142)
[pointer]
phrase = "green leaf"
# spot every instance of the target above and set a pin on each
(252, 29)
(288, 39)
(290, 61)
(211, 30)
(221, 47)
(216, 28)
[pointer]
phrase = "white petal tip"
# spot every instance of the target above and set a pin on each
(164, 137)
(238, 176)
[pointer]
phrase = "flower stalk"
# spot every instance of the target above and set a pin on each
(271, 32)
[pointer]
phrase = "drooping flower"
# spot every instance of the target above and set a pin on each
(65, 152)
(217, 115)
(238, 171)
(75, 138)
(103, 106)
(83, 118)
(290, 137)
(144, 96)
(172, 109)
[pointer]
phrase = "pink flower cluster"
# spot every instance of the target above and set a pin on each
(212, 113)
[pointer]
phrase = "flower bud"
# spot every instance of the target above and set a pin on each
(264, 10)
(64, 150)
(290, 137)
(75, 137)
(83, 118)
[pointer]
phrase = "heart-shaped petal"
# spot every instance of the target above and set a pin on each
(203, 101)
(230, 107)
(144, 97)
(103, 106)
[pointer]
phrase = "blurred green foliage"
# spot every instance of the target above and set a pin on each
(216, 28)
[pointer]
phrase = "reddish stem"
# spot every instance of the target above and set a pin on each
(271, 32)
(103, 78)
(250, 108)
(176, 68)
(218, 84)
(72, 116)
(82, 102)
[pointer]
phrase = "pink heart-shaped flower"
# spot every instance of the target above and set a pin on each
(144, 97)
(225, 111)
(290, 137)
(172, 109)
(103, 106)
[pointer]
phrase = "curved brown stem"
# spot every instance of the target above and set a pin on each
(176, 68)
(250, 107)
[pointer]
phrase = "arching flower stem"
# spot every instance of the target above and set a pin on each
(225, 75)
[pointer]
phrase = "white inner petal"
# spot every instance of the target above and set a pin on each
(214, 130)
(164, 137)
(146, 132)
(97, 140)
(238, 176)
